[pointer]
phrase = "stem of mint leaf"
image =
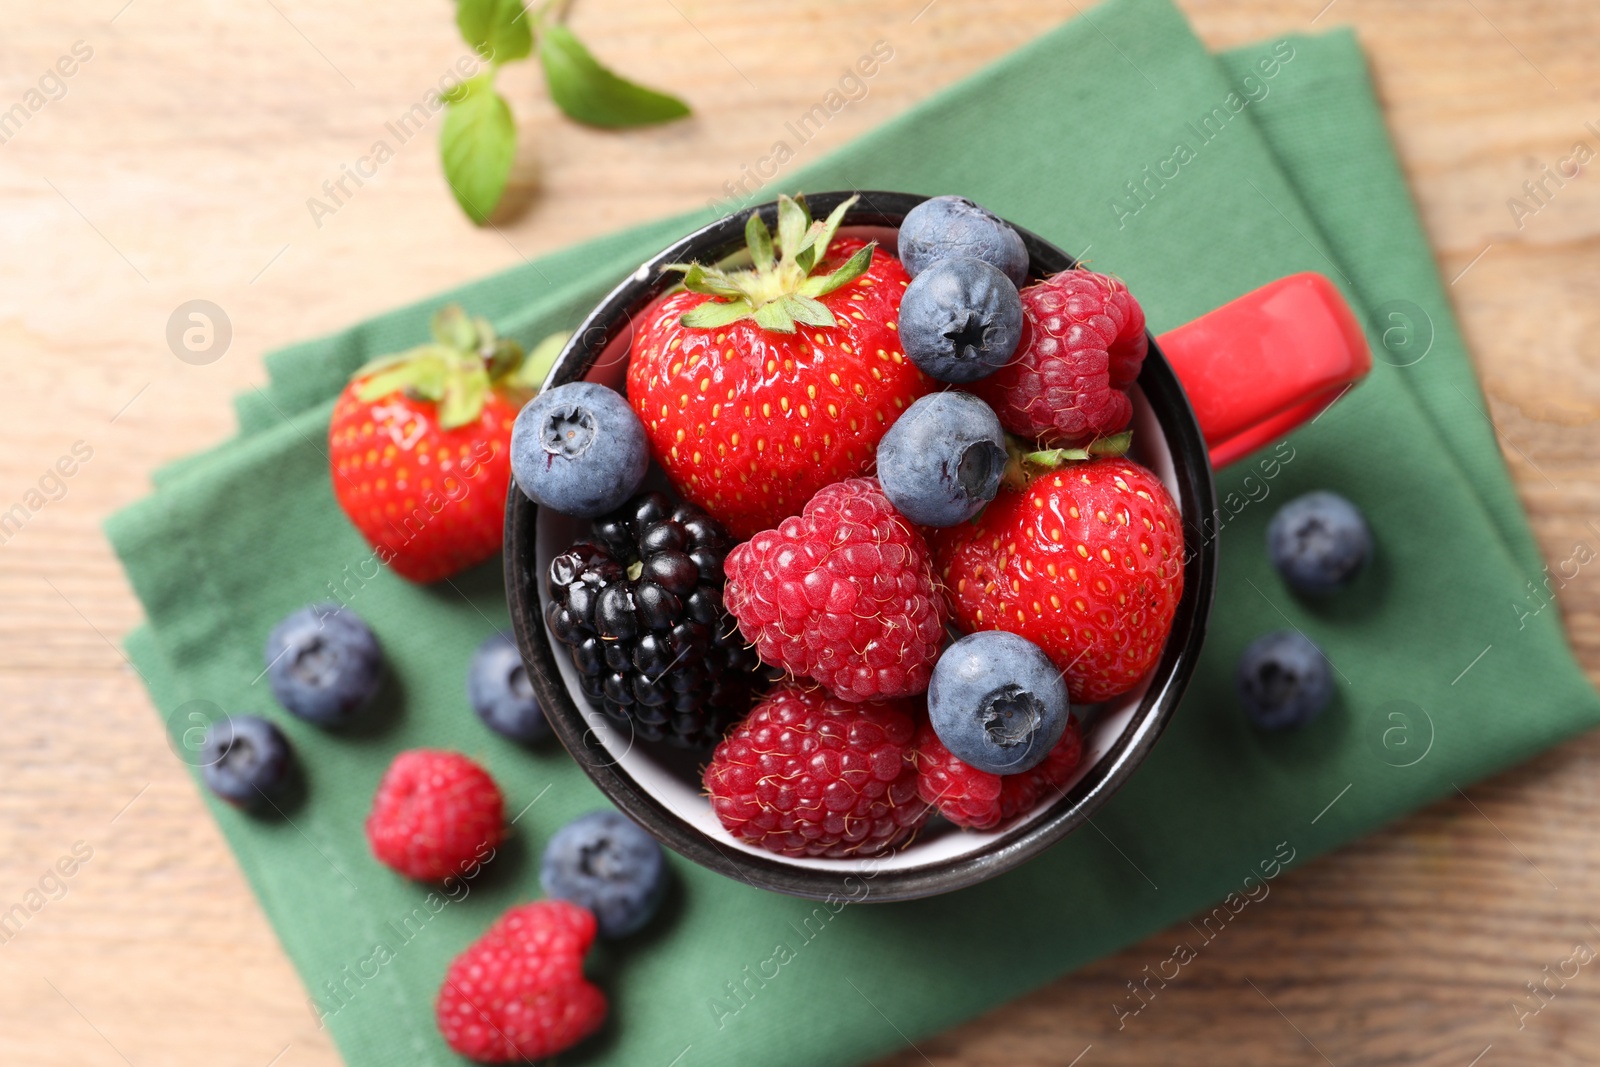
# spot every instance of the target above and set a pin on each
(478, 141)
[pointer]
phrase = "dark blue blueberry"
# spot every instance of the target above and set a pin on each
(245, 760)
(324, 663)
(941, 461)
(1318, 542)
(604, 862)
(960, 320)
(1284, 681)
(579, 449)
(498, 687)
(997, 702)
(949, 226)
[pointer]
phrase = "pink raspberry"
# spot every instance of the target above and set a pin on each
(979, 800)
(1082, 345)
(435, 815)
(842, 593)
(518, 993)
(807, 774)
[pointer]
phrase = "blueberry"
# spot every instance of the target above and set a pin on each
(941, 461)
(579, 449)
(1318, 542)
(1284, 681)
(245, 760)
(960, 320)
(604, 862)
(323, 663)
(997, 702)
(498, 687)
(948, 226)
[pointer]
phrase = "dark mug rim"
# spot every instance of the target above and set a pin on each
(1170, 676)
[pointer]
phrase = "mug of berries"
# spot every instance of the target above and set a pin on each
(867, 540)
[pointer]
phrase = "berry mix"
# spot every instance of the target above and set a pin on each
(872, 451)
(908, 546)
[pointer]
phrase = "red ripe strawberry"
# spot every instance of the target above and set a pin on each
(1086, 561)
(436, 815)
(759, 387)
(1082, 345)
(518, 992)
(979, 800)
(420, 446)
(806, 774)
(843, 593)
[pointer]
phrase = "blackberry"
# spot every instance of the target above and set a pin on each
(640, 606)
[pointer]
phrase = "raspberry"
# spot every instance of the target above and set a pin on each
(843, 593)
(1082, 345)
(979, 800)
(807, 774)
(518, 992)
(436, 814)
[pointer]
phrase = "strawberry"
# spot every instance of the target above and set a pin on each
(759, 387)
(1085, 560)
(419, 445)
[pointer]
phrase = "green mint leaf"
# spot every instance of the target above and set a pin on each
(759, 240)
(715, 313)
(477, 144)
(500, 30)
(849, 271)
(592, 94)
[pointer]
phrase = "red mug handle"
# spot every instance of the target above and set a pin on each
(1275, 358)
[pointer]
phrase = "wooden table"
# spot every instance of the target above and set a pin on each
(177, 166)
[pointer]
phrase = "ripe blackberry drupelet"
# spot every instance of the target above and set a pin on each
(640, 606)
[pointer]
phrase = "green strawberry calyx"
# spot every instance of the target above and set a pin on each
(461, 365)
(1024, 462)
(778, 290)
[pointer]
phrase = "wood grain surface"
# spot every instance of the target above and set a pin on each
(176, 165)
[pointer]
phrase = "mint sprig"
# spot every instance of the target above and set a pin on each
(478, 143)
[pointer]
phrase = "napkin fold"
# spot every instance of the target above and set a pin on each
(1196, 178)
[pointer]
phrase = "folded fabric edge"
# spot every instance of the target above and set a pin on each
(1383, 175)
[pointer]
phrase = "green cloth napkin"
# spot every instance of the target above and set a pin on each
(1435, 651)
